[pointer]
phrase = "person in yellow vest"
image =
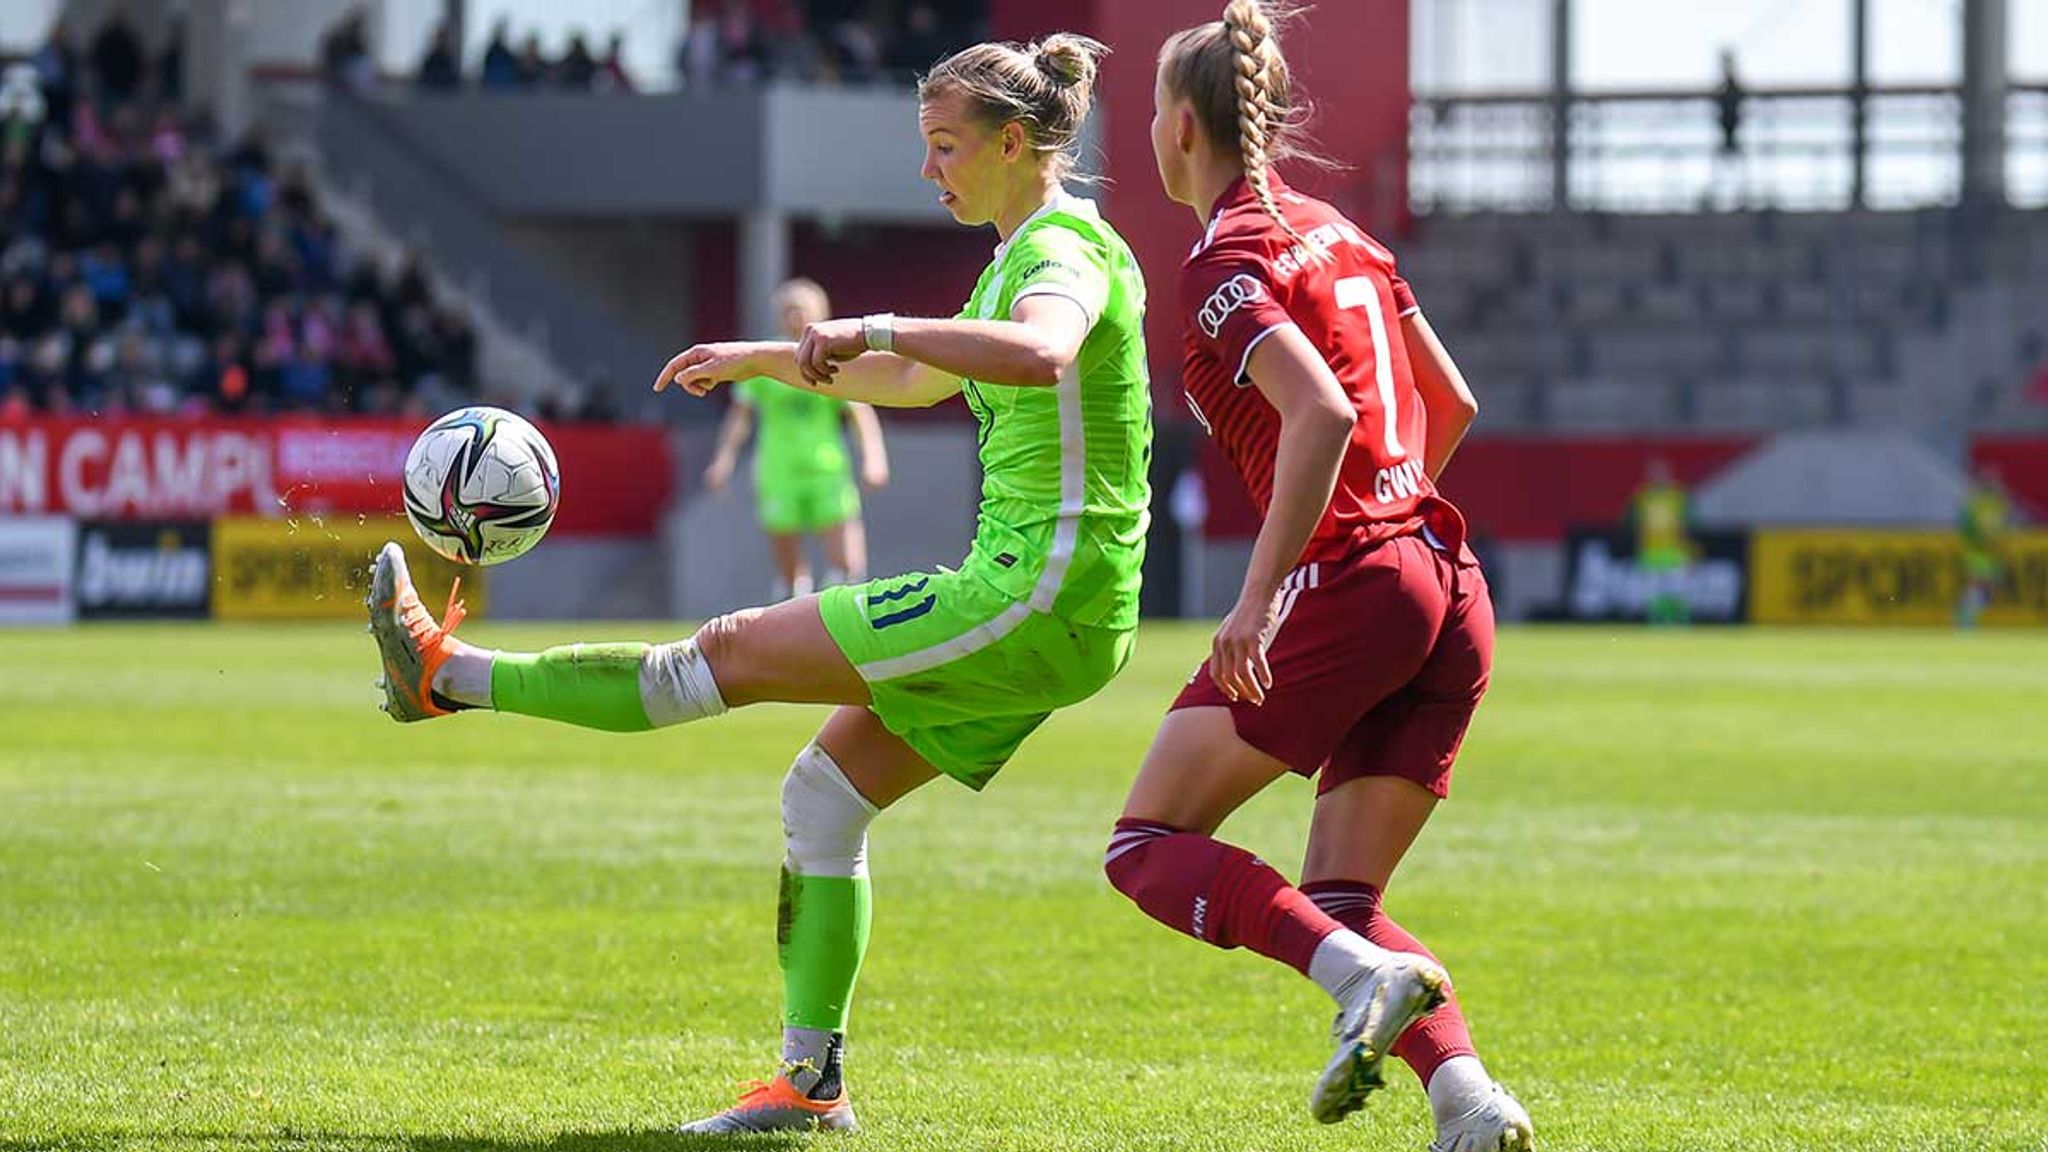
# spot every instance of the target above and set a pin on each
(1986, 516)
(1659, 513)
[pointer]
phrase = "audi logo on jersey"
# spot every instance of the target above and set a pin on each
(1228, 297)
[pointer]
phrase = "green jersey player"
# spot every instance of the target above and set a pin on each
(936, 673)
(803, 477)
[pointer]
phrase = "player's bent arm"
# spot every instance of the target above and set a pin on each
(880, 378)
(1316, 419)
(884, 379)
(1032, 349)
(1446, 400)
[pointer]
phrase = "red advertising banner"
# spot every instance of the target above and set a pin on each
(616, 480)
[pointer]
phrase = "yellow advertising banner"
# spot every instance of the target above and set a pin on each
(1879, 576)
(311, 568)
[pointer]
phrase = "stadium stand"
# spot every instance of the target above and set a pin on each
(147, 266)
(1741, 321)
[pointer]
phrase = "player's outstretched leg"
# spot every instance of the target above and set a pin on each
(778, 653)
(1473, 1113)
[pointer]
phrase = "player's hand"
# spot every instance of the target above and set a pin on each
(874, 474)
(827, 344)
(701, 367)
(719, 474)
(1237, 656)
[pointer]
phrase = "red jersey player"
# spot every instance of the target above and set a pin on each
(1361, 642)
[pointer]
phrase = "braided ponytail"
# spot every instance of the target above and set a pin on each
(1233, 73)
(1258, 67)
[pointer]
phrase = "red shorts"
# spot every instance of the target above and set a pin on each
(1378, 663)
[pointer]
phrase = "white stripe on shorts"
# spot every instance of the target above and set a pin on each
(1303, 577)
(966, 644)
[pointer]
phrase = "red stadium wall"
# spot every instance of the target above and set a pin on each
(615, 482)
(1523, 489)
(2021, 464)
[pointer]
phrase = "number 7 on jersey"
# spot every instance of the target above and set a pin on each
(1358, 292)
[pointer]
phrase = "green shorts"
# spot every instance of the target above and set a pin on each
(793, 507)
(1662, 559)
(961, 672)
(1981, 565)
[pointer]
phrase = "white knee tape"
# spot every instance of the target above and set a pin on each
(676, 684)
(824, 818)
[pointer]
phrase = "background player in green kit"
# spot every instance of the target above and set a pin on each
(936, 673)
(803, 478)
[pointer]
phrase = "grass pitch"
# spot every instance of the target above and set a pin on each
(1714, 890)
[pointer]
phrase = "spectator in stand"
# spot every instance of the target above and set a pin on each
(577, 69)
(2033, 359)
(117, 57)
(612, 76)
(166, 140)
(345, 54)
(56, 62)
(170, 61)
(919, 44)
(723, 47)
(25, 309)
(853, 45)
(534, 69)
(143, 269)
(441, 68)
(1729, 170)
(500, 68)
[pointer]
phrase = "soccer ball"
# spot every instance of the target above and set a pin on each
(481, 485)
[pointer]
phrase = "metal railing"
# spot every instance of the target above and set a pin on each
(1662, 151)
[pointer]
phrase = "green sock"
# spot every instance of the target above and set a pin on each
(821, 933)
(591, 685)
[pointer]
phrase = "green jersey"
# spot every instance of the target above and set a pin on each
(1985, 516)
(1064, 492)
(797, 435)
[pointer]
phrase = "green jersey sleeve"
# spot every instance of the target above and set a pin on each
(1061, 262)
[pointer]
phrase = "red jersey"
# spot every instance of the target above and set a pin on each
(1248, 279)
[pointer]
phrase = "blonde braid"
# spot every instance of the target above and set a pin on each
(1251, 36)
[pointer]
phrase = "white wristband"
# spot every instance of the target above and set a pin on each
(878, 331)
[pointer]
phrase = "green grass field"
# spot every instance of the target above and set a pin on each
(1714, 890)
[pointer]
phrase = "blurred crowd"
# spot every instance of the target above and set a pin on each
(824, 41)
(146, 266)
(729, 42)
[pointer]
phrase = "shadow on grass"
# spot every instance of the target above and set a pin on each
(300, 1140)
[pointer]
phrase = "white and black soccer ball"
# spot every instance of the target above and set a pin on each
(481, 485)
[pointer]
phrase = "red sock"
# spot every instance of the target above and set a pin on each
(1215, 892)
(1436, 1037)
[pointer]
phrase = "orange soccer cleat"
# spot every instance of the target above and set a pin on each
(413, 646)
(777, 1106)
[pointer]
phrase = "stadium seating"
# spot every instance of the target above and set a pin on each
(146, 266)
(1740, 321)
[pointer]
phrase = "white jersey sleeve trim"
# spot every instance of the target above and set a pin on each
(1243, 378)
(1064, 293)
